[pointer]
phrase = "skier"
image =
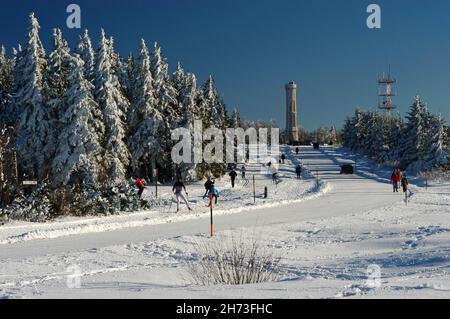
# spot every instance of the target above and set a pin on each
(214, 193)
(178, 188)
(243, 170)
(405, 183)
(233, 175)
(283, 157)
(139, 184)
(275, 178)
(297, 150)
(298, 171)
(395, 179)
(208, 184)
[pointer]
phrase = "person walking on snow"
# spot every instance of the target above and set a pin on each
(178, 188)
(405, 183)
(208, 184)
(297, 150)
(283, 157)
(395, 179)
(139, 184)
(243, 170)
(298, 171)
(233, 176)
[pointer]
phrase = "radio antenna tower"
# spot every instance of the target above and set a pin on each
(387, 89)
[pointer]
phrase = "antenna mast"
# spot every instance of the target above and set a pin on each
(387, 89)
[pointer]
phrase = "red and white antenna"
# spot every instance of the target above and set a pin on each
(387, 89)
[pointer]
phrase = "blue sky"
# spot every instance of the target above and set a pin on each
(252, 48)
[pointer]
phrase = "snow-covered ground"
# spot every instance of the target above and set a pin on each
(328, 237)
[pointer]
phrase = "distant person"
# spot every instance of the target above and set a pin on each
(208, 184)
(298, 171)
(297, 150)
(283, 158)
(395, 179)
(233, 176)
(274, 177)
(178, 188)
(405, 183)
(243, 171)
(140, 185)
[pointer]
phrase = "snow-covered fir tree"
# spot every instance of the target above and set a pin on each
(235, 119)
(166, 94)
(7, 115)
(213, 108)
(413, 136)
(86, 52)
(147, 122)
(437, 154)
(34, 127)
(78, 158)
(112, 103)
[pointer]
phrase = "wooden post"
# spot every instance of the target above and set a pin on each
(211, 209)
(254, 190)
(156, 182)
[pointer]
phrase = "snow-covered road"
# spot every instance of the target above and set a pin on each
(319, 236)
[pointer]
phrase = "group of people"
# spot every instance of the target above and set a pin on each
(210, 188)
(397, 178)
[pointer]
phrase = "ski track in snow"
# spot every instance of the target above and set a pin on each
(324, 257)
(289, 191)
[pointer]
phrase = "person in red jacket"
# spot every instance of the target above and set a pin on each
(139, 184)
(395, 179)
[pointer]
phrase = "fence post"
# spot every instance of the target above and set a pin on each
(156, 182)
(254, 190)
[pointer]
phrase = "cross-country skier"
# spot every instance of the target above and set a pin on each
(178, 188)
(139, 184)
(395, 179)
(297, 150)
(214, 193)
(298, 171)
(283, 157)
(208, 184)
(233, 176)
(243, 171)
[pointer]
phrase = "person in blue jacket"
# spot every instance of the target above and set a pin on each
(214, 193)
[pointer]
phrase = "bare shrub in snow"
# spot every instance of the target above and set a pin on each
(233, 261)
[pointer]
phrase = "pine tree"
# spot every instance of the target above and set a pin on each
(34, 128)
(7, 115)
(146, 120)
(413, 140)
(86, 52)
(79, 153)
(166, 94)
(188, 98)
(112, 103)
(235, 119)
(436, 150)
(213, 107)
(166, 101)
